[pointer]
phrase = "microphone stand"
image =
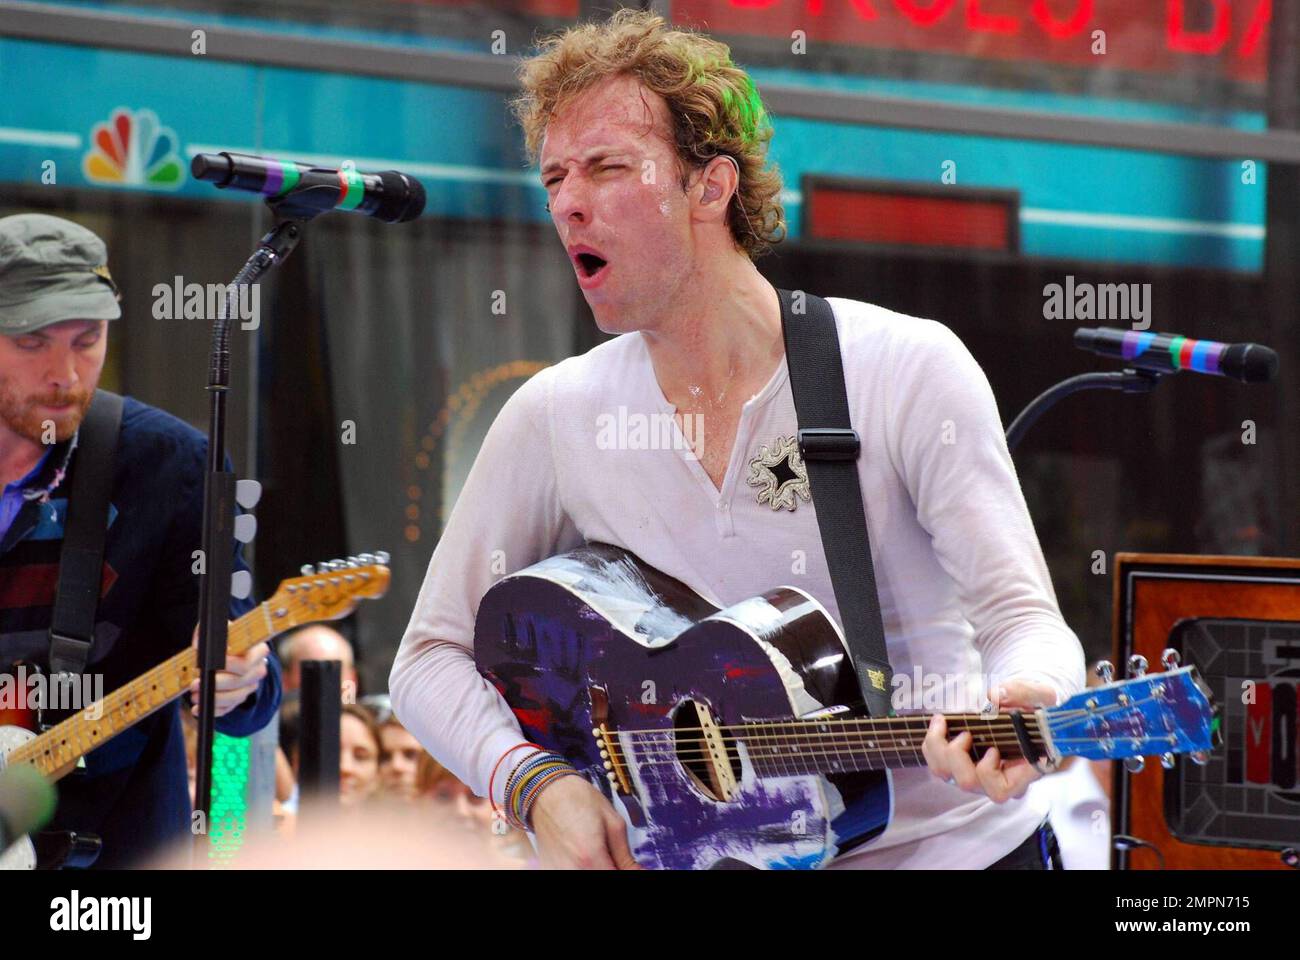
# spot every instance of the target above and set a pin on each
(1130, 381)
(218, 543)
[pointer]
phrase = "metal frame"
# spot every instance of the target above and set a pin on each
(55, 24)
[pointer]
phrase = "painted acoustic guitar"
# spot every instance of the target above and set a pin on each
(328, 593)
(737, 737)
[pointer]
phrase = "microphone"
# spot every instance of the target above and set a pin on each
(1171, 353)
(296, 188)
(26, 802)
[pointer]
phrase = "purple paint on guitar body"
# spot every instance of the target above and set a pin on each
(597, 618)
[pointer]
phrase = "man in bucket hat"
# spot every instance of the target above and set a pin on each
(56, 300)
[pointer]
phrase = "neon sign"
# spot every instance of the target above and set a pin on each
(1224, 36)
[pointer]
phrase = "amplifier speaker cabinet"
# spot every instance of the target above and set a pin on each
(1237, 619)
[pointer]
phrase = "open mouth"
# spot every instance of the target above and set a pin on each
(590, 264)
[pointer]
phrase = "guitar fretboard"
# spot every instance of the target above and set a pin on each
(798, 747)
(57, 750)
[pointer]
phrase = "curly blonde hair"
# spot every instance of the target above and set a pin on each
(714, 107)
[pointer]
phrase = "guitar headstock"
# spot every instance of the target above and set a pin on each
(1148, 714)
(331, 589)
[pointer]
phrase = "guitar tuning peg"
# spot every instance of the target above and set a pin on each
(1106, 670)
(1134, 764)
(1200, 757)
(245, 527)
(306, 570)
(1137, 666)
(382, 558)
(1167, 760)
(336, 564)
(1170, 659)
(354, 562)
(247, 493)
(366, 558)
(241, 584)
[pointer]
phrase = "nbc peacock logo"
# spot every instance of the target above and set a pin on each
(134, 149)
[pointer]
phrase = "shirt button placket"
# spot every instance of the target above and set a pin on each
(725, 527)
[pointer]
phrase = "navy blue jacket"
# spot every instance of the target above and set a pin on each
(134, 791)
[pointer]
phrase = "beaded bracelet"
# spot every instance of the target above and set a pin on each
(518, 746)
(516, 779)
(527, 774)
(526, 810)
(526, 766)
(526, 782)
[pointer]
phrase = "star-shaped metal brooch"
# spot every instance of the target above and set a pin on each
(780, 474)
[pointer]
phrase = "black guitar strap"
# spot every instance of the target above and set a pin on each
(829, 447)
(81, 558)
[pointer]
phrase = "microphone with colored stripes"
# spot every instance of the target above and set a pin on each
(300, 191)
(1171, 353)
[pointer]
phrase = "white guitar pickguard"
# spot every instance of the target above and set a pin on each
(20, 855)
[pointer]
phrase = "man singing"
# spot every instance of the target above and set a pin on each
(56, 299)
(653, 154)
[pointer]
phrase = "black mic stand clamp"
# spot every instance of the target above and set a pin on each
(1129, 380)
(220, 494)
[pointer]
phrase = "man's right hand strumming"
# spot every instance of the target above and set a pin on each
(578, 829)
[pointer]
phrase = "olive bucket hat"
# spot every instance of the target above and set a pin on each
(52, 270)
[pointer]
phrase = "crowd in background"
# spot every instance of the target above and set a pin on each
(382, 767)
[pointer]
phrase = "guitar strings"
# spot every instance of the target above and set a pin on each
(72, 733)
(820, 744)
(830, 743)
(912, 721)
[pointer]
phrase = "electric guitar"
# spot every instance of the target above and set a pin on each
(328, 593)
(738, 737)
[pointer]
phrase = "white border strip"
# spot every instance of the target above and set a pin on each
(1119, 221)
(40, 138)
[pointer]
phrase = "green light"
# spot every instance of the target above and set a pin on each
(228, 816)
(744, 108)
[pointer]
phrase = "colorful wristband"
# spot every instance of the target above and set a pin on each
(527, 780)
(518, 746)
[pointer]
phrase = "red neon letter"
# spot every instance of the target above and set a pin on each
(1255, 32)
(923, 16)
(977, 19)
(1207, 43)
(1058, 29)
(865, 10)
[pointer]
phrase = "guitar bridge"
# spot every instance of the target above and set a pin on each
(615, 771)
(607, 741)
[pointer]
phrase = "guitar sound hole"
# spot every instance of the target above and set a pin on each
(694, 754)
